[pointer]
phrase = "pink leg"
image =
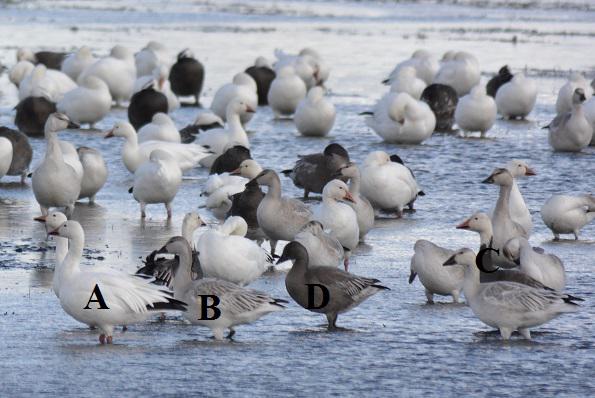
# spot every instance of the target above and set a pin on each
(109, 339)
(102, 338)
(142, 210)
(168, 208)
(346, 264)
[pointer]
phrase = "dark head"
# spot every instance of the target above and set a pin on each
(336, 149)
(239, 150)
(185, 53)
(294, 251)
(504, 71)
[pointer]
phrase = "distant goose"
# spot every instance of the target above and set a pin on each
(315, 115)
(238, 305)
(476, 111)
(150, 57)
(263, 75)
(32, 113)
(565, 100)
(345, 291)
(426, 67)
(205, 120)
(19, 72)
(128, 298)
(94, 172)
(322, 247)
(43, 82)
(509, 306)
(461, 72)
(307, 64)
(88, 103)
(494, 84)
(516, 98)
(406, 81)
(589, 109)
(243, 87)
(145, 104)
(312, 172)
(75, 63)
(566, 214)
(50, 59)
(21, 151)
(186, 76)
(286, 92)
(442, 100)
(161, 128)
(571, 131)
(158, 78)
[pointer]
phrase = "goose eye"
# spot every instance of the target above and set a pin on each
(476, 218)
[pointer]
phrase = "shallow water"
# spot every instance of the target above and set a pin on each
(395, 343)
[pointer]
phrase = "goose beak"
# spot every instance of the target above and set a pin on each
(235, 172)
(348, 197)
(489, 180)
(40, 218)
(73, 125)
(450, 261)
(162, 250)
(282, 259)
(249, 109)
(530, 172)
(464, 225)
(109, 133)
(54, 232)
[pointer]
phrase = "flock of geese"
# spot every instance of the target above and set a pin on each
(509, 285)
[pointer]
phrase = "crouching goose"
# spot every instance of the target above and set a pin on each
(565, 214)
(322, 247)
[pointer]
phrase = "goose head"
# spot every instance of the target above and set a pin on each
(478, 222)
(95, 83)
(249, 168)
(448, 56)
(397, 106)
(162, 119)
(53, 220)
(57, 122)
(21, 70)
(463, 256)
(500, 177)
(84, 53)
(262, 62)
(294, 251)
(69, 229)
(121, 52)
(121, 129)
(336, 151)
(519, 168)
(512, 249)
(578, 97)
(377, 158)
(25, 54)
(178, 246)
(267, 177)
(421, 54)
(207, 118)
(504, 72)
(337, 190)
(244, 79)
(185, 53)
(350, 170)
(234, 225)
(309, 51)
(192, 221)
(238, 106)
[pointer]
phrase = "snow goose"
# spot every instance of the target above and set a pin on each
(461, 72)
(337, 217)
(516, 98)
(75, 63)
(571, 131)
(427, 264)
(312, 172)
(134, 154)
(315, 115)
(187, 75)
(225, 253)
(117, 70)
(323, 248)
(361, 205)
(230, 160)
(565, 214)
(545, 268)
(589, 109)
(286, 92)
(158, 78)
(406, 81)
(56, 183)
(125, 299)
(426, 67)
(279, 217)
(88, 103)
(237, 305)
(306, 66)
(22, 152)
(161, 128)
(476, 111)
(144, 104)
(263, 75)
(153, 55)
(205, 120)
(32, 113)
(509, 306)
(518, 209)
(243, 87)
(494, 84)
(388, 185)
(6, 153)
(565, 100)
(94, 172)
(345, 290)
(157, 181)
(41, 82)
(442, 100)
(53, 221)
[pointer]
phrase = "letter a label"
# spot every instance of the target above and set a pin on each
(98, 299)
(204, 301)
(311, 295)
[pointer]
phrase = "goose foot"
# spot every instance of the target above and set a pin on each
(124, 328)
(109, 339)
(102, 339)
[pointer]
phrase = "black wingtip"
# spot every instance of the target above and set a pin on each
(421, 193)
(171, 304)
(130, 189)
(380, 287)
(287, 172)
(366, 113)
(386, 81)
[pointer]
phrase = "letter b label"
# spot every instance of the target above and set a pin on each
(311, 294)
(204, 300)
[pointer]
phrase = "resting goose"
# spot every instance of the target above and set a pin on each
(134, 154)
(32, 113)
(323, 248)
(494, 84)
(427, 264)
(345, 291)
(5, 155)
(509, 306)
(516, 98)
(339, 218)
(565, 100)
(312, 172)
(75, 63)
(41, 82)
(406, 81)
(157, 181)
(361, 205)
(388, 185)
(307, 65)
(145, 104)
(237, 305)
(128, 298)
(22, 152)
(94, 172)
(442, 100)
(571, 131)
(161, 128)
(186, 76)
(476, 111)
(315, 115)
(279, 217)
(461, 72)
(243, 87)
(88, 103)
(56, 183)
(426, 67)
(19, 72)
(565, 214)
(545, 268)
(286, 92)
(263, 75)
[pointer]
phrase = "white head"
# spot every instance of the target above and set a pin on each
(463, 256)
(350, 170)
(449, 55)
(162, 119)
(315, 94)
(238, 106)
(310, 51)
(58, 122)
(121, 129)
(234, 225)
(20, 71)
(121, 52)
(478, 222)
(262, 62)
(206, 118)
(421, 53)
(512, 248)
(53, 220)
(192, 222)
(396, 109)
(155, 46)
(69, 229)
(377, 158)
(244, 79)
(94, 83)
(249, 168)
(519, 168)
(337, 190)
(25, 54)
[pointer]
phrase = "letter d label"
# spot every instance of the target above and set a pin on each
(325, 296)
(204, 300)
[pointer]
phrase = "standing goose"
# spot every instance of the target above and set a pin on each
(315, 115)
(237, 305)
(94, 172)
(362, 206)
(157, 181)
(494, 84)
(565, 214)
(565, 100)
(161, 128)
(243, 87)
(158, 79)
(476, 111)
(263, 75)
(571, 131)
(322, 247)
(152, 56)
(339, 218)
(279, 217)
(187, 76)
(509, 306)
(129, 299)
(312, 172)
(516, 98)
(55, 183)
(286, 92)
(88, 103)
(345, 291)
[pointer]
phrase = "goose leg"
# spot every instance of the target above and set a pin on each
(455, 296)
(92, 200)
(332, 321)
(232, 333)
(109, 339)
(430, 297)
(505, 333)
(69, 210)
(306, 193)
(526, 333)
(102, 339)
(575, 232)
(556, 236)
(168, 208)
(142, 210)
(218, 334)
(24, 176)
(273, 246)
(44, 210)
